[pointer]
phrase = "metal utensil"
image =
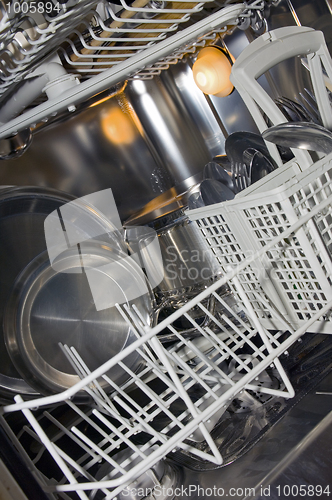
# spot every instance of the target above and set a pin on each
(213, 191)
(223, 160)
(258, 164)
(292, 110)
(237, 142)
(302, 135)
(213, 170)
(241, 176)
(195, 200)
(235, 145)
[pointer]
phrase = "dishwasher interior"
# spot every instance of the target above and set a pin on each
(165, 249)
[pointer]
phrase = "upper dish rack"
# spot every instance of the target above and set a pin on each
(83, 47)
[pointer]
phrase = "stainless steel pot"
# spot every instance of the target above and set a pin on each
(188, 261)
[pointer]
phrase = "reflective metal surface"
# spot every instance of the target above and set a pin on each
(295, 451)
(168, 125)
(300, 135)
(47, 307)
(98, 148)
(213, 191)
(151, 137)
(195, 107)
(213, 170)
(22, 215)
(15, 146)
(188, 261)
(23, 212)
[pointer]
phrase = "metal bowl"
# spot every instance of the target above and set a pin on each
(49, 306)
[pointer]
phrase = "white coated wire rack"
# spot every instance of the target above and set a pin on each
(120, 35)
(295, 276)
(174, 402)
(30, 31)
(98, 45)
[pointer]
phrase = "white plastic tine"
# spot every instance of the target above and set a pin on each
(274, 47)
(42, 450)
(93, 389)
(98, 450)
(78, 468)
(238, 319)
(274, 312)
(194, 375)
(135, 326)
(50, 447)
(125, 423)
(233, 355)
(153, 397)
(69, 434)
(120, 435)
(156, 369)
(222, 344)
(145, 425)
(245, 338)
(263, 335)
(211, 443)
(179, 387)
(96, 387)
(214, 341)
(161, 407)
(140, 410)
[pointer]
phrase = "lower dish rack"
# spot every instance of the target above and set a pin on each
(102, 442)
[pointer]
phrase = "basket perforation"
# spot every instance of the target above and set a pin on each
(296, 275)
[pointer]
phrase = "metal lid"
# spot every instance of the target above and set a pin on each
(22, 214)
(48, 307)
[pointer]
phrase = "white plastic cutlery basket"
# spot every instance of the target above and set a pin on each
(219, 349)
(295, 275)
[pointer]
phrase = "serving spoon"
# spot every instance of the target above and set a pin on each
(300, 135)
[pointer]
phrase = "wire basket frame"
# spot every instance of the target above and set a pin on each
(295, 276)
(28, 34)
(116, 38)
(173, 403)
